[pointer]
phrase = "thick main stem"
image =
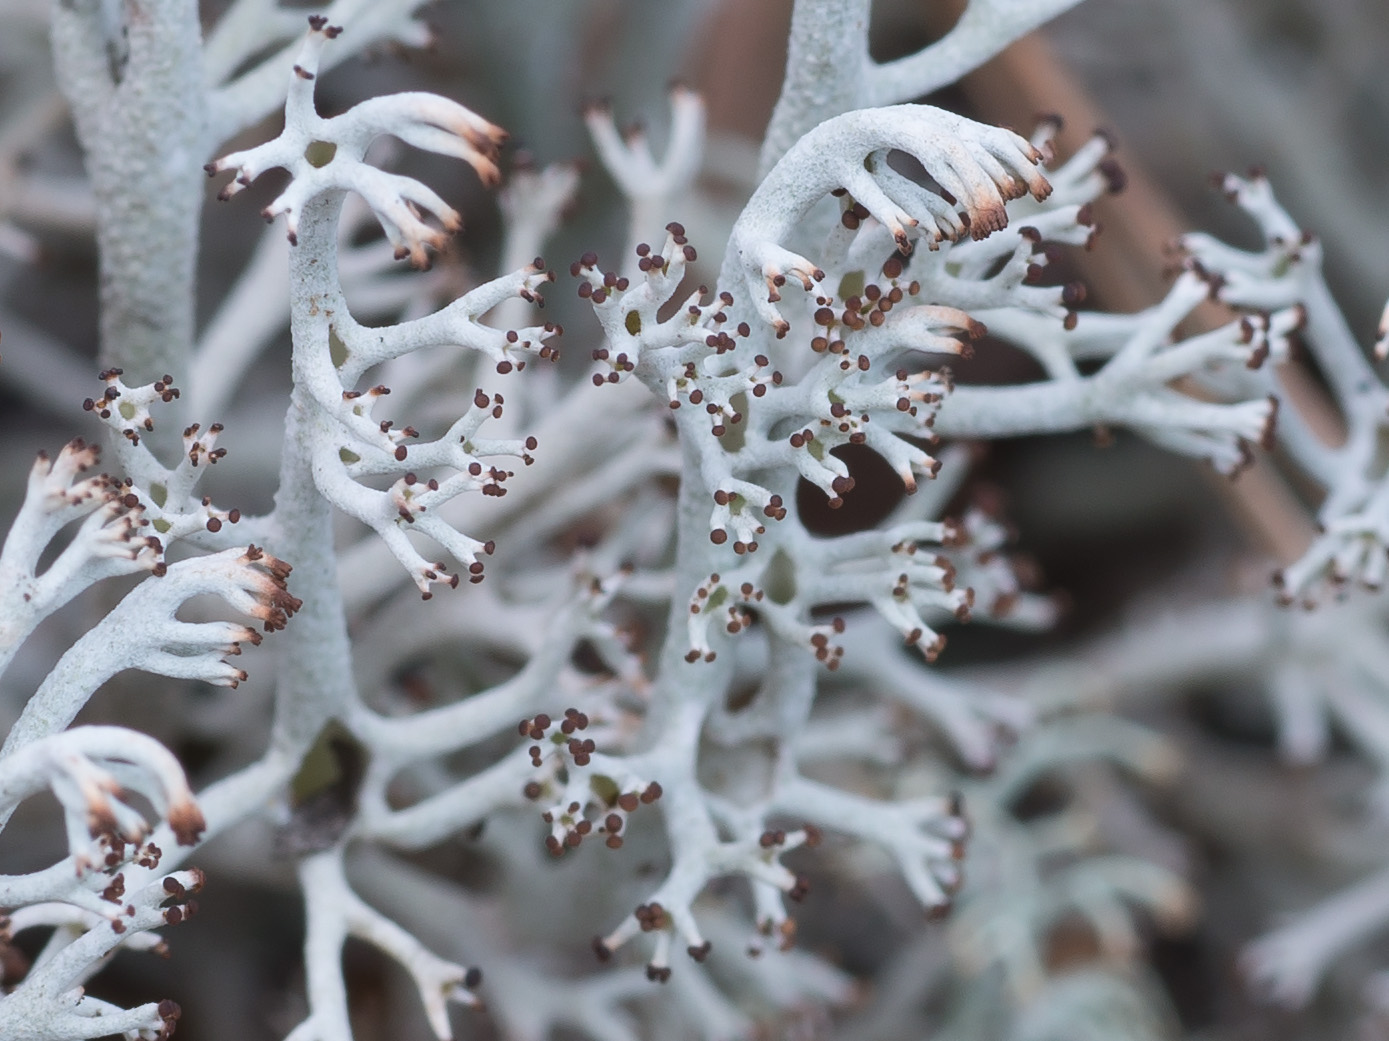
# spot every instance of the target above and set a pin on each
(315, 681)
(826, 65)
(315, 678)
(681, 683)
(138, 102)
